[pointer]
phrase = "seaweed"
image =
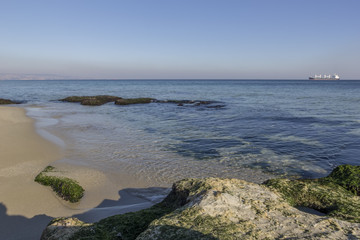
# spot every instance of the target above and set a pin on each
(91, 100)
(66, 188)
(336, 195)
(129, 101)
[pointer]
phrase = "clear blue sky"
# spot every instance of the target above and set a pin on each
(180, 39)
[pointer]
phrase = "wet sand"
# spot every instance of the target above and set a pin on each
(26, 207)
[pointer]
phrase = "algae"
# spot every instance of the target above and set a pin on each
(102, 99)
(128, 225)
(347, 176)
(335, 195)
(91, 100)
(129, 101)
(66, 188)
(191, 223)
(215, 208)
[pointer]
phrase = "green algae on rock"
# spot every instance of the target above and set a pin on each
(214, 208)
(53, 227)
(129, 101)
(102, 99)
(347, 176)
(91, 100)
(66, 188)
(336, 195)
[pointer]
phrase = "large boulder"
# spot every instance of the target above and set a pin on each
(336, 195)
(215, 208)
(235, 209)
(62, 228)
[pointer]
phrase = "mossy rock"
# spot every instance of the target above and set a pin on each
(133, 101)
(6, 101)
(91, 100)
(335, 195)
(347, 176)
(66, 188)
(186, 102)
(226, 209)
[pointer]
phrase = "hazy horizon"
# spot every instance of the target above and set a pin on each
(204, 39)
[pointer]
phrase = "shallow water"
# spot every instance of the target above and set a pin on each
(296, 128)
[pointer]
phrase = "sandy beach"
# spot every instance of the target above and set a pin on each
(26, 207)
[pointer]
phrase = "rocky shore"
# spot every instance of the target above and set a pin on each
(215, 208)
(4, 101)
(103, 99)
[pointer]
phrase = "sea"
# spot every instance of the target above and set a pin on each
(251, 129)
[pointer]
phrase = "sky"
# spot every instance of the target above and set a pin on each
(179, 39)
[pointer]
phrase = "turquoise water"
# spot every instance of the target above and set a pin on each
(296, 128)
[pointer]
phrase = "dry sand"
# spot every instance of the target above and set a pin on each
(26, 207)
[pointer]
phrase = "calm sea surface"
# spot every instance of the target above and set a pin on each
(297, 128)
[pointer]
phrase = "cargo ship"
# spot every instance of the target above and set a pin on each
(325, 77)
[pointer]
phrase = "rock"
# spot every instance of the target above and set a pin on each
(183, 102)
(216, 106)
(66, 188)
(91, 100)
(235, 209)
(133, 101)
(336, 195)
(62, 228)
(347, 176)
(215, 208)
(7, 101)
(196, 103)
(102, 99)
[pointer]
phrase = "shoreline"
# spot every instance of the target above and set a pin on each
(26, 207)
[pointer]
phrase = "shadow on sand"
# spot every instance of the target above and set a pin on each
(131, 200)
(18, 227)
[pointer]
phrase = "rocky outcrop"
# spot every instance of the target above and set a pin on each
(336, 195)
(129, 101)
(235, 209)
(7, 101)
(91, 100)
(63, 228)
(102, 99)
(215, 208)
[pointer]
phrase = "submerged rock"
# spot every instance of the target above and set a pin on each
(91, 100)
(207, 104)
(215, 208)
(129, 101)
(102, 99)
(183, 102)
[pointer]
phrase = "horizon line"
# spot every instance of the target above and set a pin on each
(170, 79)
